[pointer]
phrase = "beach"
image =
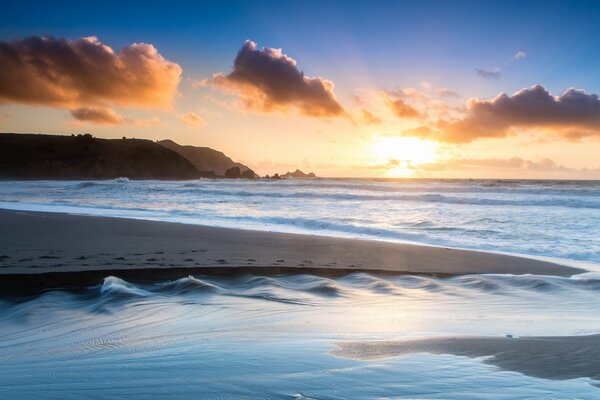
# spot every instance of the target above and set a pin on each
(298, 289)
(40, 250)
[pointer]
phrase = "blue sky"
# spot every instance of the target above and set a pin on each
(357, 45)
(389, 43)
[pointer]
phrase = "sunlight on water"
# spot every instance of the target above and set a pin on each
(201, 337)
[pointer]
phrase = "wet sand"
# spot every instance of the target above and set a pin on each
(559, 357)
(41, 250)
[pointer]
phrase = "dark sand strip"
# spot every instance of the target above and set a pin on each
(40, 250)
(560, 357)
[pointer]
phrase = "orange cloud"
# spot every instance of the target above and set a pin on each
(573, 114)
(106, 116)
(368, 117)
(269, 80)
(84, 72)
(101, 116)
(193, 120)
(402, 109)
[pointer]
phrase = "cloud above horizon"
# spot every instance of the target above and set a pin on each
(572, 115)
(402, 109)
(107, 116)
(269, 80)
(445, 92)
(192, 120)
(85, 72)
(101, 116)
(520, 55)
(489, 73)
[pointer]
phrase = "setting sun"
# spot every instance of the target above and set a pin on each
(401, 154)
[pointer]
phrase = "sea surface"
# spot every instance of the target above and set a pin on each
(555, 219)
(251, 337)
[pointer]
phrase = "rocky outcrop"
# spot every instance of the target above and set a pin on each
(299, 174)
(233, 173)
(204, 158)
(236, 173)
(249, 174)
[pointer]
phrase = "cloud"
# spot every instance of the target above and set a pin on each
(445, 92)
(367, 117)
(574, 114)
(408, 93)
(489, 74)
(491, 168)
(200, 83)
(85, 72)
(101, 116)
(545, 164)
(269, 80)
(402, 109)
(520, 55)
(144, 122)
(192, 119)
(107, 116)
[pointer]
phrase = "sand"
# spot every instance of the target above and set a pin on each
(42, 250)
(559, 357)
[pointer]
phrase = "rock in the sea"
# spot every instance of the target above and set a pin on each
(249, 174)
(233, 173)
(299, 174)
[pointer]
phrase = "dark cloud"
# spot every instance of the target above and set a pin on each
(573, 114)
(85, 72)
(106, 116)
(101, 116)
(489, 74)
(267, 79)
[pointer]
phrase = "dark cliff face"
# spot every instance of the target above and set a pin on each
(204, 158)
(27, 156)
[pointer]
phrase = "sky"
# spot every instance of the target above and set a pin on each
(441, 89)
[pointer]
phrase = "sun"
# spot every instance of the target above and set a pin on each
(403, 154)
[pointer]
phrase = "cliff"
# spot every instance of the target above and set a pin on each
(204, 158)
(37, 156)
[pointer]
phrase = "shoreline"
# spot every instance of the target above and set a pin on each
(41, 250)
(544, 357)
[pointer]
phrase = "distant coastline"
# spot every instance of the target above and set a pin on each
(84, 157)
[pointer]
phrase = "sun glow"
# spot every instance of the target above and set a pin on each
(402, 154)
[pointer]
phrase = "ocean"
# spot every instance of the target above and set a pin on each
(550, 219)
(278, 337)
